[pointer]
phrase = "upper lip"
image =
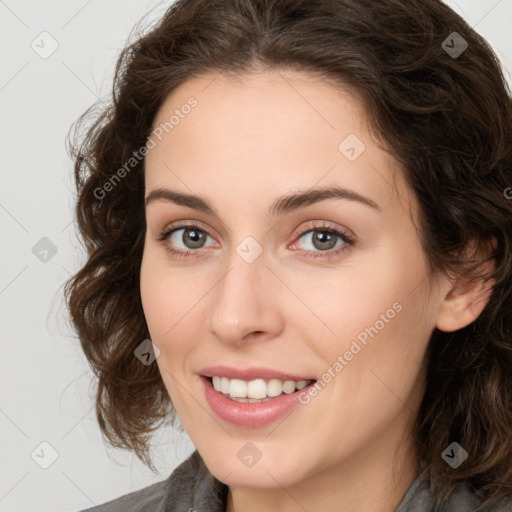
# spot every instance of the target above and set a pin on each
(251, 373)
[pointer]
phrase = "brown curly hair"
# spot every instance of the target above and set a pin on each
(447, 119)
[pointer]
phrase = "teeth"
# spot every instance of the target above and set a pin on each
(302, 384)
(238, 388)
(256, 390)
(224, 385)
(274, 387)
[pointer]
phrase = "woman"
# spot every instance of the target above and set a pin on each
(299, 244)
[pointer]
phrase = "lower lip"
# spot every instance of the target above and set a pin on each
(250, 414)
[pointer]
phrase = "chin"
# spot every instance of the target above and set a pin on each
(267, 473)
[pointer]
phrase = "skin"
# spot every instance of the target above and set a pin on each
(249, 140)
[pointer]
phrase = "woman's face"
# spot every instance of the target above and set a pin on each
(270, 291)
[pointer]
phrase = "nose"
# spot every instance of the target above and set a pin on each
(245, 303)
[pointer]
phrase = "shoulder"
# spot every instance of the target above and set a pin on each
(466, 498)
(190, 484)
(143, 500)
(463, 498)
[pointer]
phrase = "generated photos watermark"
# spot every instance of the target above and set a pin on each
(355, 348)
(138, 156)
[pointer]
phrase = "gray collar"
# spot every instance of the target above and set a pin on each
(192, 488)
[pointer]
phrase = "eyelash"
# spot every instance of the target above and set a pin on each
(332, 253)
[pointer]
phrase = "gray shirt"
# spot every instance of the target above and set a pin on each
(192, 488)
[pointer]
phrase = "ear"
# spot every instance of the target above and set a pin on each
(465, 300)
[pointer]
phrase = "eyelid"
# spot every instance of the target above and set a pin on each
(304, 227)
(320, 225)
(183, 224)
(186, 224)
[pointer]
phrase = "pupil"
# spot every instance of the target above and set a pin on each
(322, 237)
(194, 238)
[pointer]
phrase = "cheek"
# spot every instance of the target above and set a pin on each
(383, 350)
(153, 300)
(171, 303)
(376, 317)
(158, 296)
(370, 291)
(163, 307)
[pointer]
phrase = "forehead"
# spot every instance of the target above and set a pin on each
(261, 104)
(268, 130)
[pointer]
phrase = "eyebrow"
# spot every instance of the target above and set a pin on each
(281, 205)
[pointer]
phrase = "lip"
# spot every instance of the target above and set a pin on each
(249, 374)
(250, 414)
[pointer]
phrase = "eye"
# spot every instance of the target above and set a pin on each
(324, 241)
(191, 236)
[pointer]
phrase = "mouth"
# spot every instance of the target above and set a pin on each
(256, 390)
(252, 403)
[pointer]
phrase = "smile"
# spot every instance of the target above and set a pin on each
(257, 390)
(265, 400)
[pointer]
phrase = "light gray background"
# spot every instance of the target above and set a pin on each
(46, 392)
